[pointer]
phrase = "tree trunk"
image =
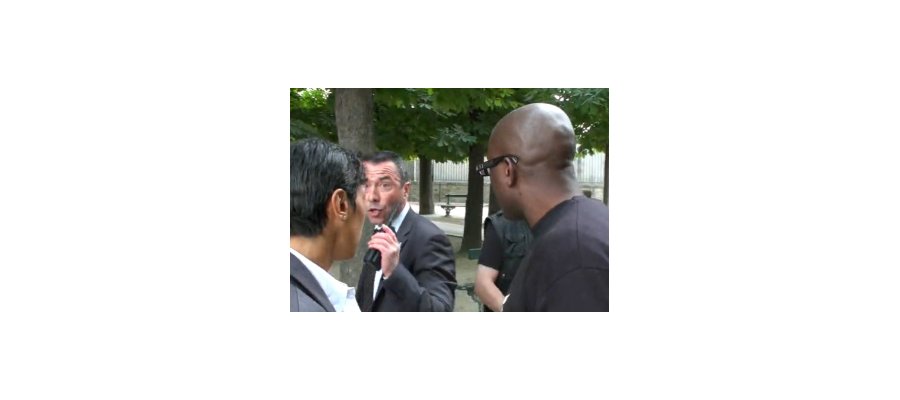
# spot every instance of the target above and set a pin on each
(606, 176)
(354, 119)
(474, 201)
(426, 199)
(493, 205)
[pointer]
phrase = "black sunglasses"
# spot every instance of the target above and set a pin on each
(484, 169)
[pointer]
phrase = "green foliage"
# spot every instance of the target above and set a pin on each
(312, 114)
(403, 120)
(442, 124)
(309, 98)
(468, 116)
(587, 108)
(434, 123)
(456, 101)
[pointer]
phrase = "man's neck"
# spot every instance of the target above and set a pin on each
(397, 220)
(539, 205)
(316, 249)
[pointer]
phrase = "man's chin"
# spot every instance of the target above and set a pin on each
(376, 220)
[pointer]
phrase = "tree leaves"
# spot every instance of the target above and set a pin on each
(587, 108)
(443, 123)
(312, 114)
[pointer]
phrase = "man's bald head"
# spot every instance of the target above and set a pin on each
(542, 138)
(540, 134)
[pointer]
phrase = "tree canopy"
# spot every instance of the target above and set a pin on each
(312, 114)
(442, 124)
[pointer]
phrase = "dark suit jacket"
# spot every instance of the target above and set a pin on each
(424, 280)
(306, 294)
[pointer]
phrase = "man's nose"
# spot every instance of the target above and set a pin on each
(372, 195)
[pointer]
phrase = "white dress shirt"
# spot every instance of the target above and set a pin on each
(341, 296)
(397, 222)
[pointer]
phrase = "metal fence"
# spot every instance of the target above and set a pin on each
(588, 170)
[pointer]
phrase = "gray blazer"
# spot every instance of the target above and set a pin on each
(306, 294)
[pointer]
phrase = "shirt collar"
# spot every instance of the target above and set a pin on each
(399, 220)
(339, 294)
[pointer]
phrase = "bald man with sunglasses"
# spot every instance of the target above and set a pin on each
(530, 162)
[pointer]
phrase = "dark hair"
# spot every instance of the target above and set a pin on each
(383, 156)
(318, 168)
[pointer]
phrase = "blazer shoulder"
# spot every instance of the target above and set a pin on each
(306, 283)
(424, 227)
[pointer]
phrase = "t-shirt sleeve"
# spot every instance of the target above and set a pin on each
(492, 249)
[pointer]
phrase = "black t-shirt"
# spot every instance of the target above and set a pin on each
(567, 268)
(492, 249)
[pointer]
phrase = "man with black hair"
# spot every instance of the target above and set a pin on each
(417, 270)
(327, 211)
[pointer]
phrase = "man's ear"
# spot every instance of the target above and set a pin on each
(510, 172)
(406, 187)
(339, 205)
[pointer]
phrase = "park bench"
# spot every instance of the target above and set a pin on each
(449, 206)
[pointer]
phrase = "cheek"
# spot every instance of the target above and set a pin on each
(361, 202)
(360, 211)
(358, 216)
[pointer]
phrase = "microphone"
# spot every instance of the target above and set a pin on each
(373, 256)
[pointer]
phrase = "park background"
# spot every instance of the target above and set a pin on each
(442, 133)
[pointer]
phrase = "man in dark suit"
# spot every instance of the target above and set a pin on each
(530, 156)
(417, 271)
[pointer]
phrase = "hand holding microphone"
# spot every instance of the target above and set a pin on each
(384, 248)
(386, 243)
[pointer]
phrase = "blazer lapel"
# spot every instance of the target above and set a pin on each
(308, 282)
(406, 227)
